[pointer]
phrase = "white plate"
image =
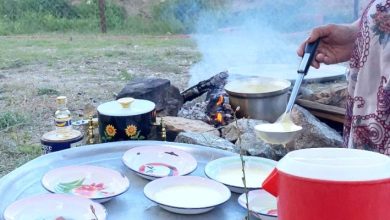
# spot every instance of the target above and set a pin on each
(187, 194)
(152, 162)
(228, 170)
(54, 206)
(92, 182)
(262, 205)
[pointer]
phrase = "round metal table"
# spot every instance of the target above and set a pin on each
(26, 180)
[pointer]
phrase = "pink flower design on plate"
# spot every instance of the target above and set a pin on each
(90, 190)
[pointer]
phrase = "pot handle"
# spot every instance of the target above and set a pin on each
(271, 183)
(126, 101)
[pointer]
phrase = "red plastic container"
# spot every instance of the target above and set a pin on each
(331, 184)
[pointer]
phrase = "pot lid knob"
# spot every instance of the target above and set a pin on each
(125, 102)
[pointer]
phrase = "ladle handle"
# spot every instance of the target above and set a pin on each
(310, 51)
(294, 92)
(308, 56)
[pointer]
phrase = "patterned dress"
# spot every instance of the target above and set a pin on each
(367, 124)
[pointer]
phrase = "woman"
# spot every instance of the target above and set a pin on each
(366, 44)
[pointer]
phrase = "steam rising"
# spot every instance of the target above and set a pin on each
(248, 39)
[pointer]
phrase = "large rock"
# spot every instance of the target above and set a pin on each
(257, 147)
(231, 132)
(314, 133)
(205, 139)
(175, 125)
(248, 140)
(160, 91)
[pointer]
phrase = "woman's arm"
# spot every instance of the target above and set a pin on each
(337, 43)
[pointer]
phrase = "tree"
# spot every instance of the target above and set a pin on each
(102, 14)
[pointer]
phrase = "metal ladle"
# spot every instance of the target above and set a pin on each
(284, 129)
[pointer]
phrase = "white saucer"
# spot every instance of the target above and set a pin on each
(262, 205)
(97, 183)
(228, 170)
(152, 162)
(54, 206)
(187, 194)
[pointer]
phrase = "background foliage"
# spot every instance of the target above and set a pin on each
(162, 16)
(32, 16)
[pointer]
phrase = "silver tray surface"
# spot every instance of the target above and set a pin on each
(26, 180)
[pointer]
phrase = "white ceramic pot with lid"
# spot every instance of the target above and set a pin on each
(125, 119)
(331, 183)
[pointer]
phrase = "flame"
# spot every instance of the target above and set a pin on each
(220, 100)
(218, 117)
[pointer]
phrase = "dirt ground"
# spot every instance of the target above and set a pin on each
(88, 69)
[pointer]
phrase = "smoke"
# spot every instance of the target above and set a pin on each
(249, 36)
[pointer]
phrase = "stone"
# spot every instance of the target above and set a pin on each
(249, 142)
(334, 94)
(194, 110)
(173, 101)
(314, 132)
(205, 139)
(257, 147)
(231, 132)
(175, 125)
(167, 97)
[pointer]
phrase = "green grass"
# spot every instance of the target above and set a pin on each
(31, 149)
(11, 119)
(125, 75)
(129, 56)
(149, 51)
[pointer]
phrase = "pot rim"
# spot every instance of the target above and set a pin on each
(284, 84)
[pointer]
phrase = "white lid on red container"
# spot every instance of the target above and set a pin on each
(126, 107)
(336, 164)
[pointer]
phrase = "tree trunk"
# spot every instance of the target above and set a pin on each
(102, 14)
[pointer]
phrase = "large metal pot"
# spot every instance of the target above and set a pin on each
(259, 98)
(125, 119)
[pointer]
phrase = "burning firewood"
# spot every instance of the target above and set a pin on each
(216, 82)
(218, 110)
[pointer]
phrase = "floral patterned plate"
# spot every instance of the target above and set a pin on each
(152, 162)
(55, 207)
(97, 183)
(187, 194)
(262, 205)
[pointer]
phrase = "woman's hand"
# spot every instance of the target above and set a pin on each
(336, 45)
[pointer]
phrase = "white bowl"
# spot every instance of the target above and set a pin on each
(228, 170)
(187, 194)
(269, 134)
(152, 162)
(97, 183)
(53, 206)
(262, 205)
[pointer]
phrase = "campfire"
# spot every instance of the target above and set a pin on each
(216, 107)
(219, 110)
